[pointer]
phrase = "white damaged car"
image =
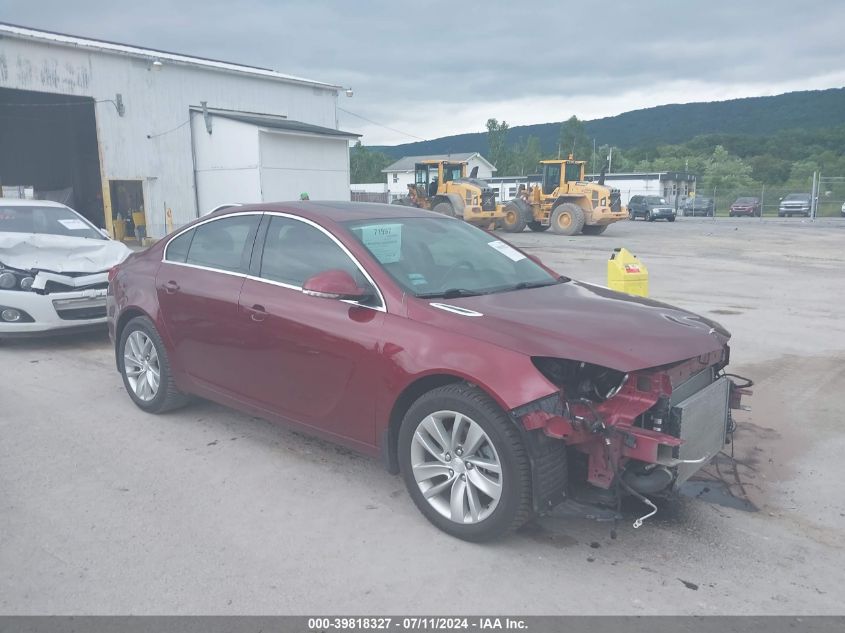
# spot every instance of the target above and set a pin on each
(53, 268)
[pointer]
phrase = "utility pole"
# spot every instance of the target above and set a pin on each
(762, 201)
(813, 197)
(610, 160)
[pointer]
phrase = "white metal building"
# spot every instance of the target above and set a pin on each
(401, 173)
(135, 132)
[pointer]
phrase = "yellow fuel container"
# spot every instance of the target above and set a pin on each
(626, 273)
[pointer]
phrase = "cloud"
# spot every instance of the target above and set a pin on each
(445, 67)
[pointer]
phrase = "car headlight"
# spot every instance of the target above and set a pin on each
(581, 380)
(7, 280)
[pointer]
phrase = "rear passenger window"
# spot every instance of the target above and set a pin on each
(224, 244)
(295, 251)
(177, 249)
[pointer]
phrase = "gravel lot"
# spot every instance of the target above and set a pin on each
(104, 509)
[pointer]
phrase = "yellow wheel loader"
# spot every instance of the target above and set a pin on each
(563, 201)
(444, 187)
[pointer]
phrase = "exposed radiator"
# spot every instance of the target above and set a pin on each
(702, 421)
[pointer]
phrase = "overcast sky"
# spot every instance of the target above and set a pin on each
(434, 68)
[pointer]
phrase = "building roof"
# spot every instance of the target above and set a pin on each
(73, 41)
(276, 122)
(406, 163)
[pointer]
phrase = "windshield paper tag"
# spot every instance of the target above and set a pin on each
(74, 225)
(507, 250)
(384, 241)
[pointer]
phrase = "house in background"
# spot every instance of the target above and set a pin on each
(401, 173)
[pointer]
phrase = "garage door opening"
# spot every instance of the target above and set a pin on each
(49, 142)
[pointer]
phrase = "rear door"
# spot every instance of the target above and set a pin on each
(312, 360)
(635, 205)
(198, 285)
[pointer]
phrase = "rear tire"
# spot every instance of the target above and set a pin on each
(145, 367)
(567, 219)
(444, 208)
(514, 219)
(432, 463)
(594, 229)
(671, 219)
(537, 227)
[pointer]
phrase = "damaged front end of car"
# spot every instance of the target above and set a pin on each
(33, 301)
(641, 433)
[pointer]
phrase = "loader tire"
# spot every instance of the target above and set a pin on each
(444, 208)
(514, 218)
(594, 229)
(567, 219)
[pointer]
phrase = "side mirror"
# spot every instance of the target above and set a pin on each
(334, 284)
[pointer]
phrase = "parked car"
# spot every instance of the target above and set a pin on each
(795, 204)
(746, 206)
(53, 268)
(650, 208)
(699, 205)
(492, 383)
(842, 211)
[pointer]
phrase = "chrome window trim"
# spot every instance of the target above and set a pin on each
(194, 226)
(447, 307)
(382, 307)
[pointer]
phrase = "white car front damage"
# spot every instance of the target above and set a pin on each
(54, 283)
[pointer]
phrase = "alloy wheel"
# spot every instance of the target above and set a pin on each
(456, 467)
(141, 365)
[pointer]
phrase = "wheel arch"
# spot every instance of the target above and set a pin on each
(410, 394)
(581, 201)
(126, 315)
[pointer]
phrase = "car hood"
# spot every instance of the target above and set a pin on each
(583, 322)
(60, 253)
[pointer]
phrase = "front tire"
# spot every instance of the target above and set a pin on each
(649, 217)
(145, 367)
(671, 218)
(567, 219)
(464, 464)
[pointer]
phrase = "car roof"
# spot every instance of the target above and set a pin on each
(337, 211)
(25, 202)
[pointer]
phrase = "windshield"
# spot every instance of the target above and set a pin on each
(655, 200)
(798, 196)
(439, 257)
(46, 220)
(746, 200)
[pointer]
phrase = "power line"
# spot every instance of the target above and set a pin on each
(386, 127)
(182, 124)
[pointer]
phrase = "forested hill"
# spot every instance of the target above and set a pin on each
(667, 124)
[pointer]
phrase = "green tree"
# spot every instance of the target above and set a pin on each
(727, 173)
(769, 170)
(574, 140)
(526, 157)
(366, 165)
(497, 143)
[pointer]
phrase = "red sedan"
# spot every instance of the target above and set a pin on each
(495, 386)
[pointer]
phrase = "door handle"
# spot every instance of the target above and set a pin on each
(171, 287)
(257, 313)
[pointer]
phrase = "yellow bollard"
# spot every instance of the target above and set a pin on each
(626, 273)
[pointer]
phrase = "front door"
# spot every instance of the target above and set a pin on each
(312, 360)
